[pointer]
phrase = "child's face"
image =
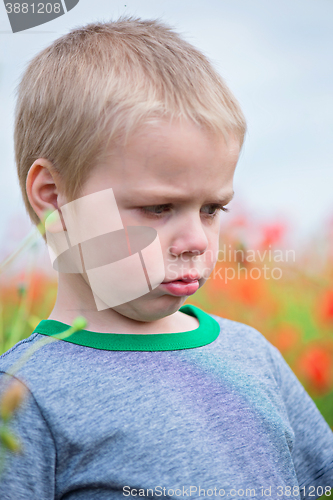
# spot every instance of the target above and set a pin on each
(172, 177)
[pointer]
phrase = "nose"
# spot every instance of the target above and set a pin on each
(189, 237)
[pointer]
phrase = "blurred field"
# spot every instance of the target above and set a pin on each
(292, 306)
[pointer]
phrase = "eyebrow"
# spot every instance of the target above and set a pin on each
(168, 197)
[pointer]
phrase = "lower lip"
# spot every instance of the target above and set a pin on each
(181, 288)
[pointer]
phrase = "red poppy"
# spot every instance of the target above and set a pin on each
(316, 366)
(272, 234)
(37, 286)
(326, 306)
(286, 337)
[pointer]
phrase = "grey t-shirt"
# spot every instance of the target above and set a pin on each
(213, 412)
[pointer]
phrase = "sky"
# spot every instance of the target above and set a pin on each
(276, 56)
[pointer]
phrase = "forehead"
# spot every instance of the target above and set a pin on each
(176, 156)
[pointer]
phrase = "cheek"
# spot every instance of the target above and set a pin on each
(208, 260)
(213, 246)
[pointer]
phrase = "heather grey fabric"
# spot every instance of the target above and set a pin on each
(228, 419)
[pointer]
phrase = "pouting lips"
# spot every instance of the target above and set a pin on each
(185, 280)
(181, 288)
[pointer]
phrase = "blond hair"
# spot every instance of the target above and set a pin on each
(99, 82)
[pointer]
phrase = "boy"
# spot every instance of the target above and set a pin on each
(153, 398)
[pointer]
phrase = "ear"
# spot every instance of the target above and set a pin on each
(43, 188)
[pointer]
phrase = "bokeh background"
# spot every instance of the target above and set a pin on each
(276, 57)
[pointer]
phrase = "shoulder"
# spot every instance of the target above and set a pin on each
(229, 326)
(239, 336)
(8, 358)
(52, 370)
(37, 360)
(246, 348)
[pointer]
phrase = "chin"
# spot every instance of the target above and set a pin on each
(150, 310)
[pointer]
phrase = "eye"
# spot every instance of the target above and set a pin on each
(155, 210)
(158, 211)
(214, 209)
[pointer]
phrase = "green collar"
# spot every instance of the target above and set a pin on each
(206, 333)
